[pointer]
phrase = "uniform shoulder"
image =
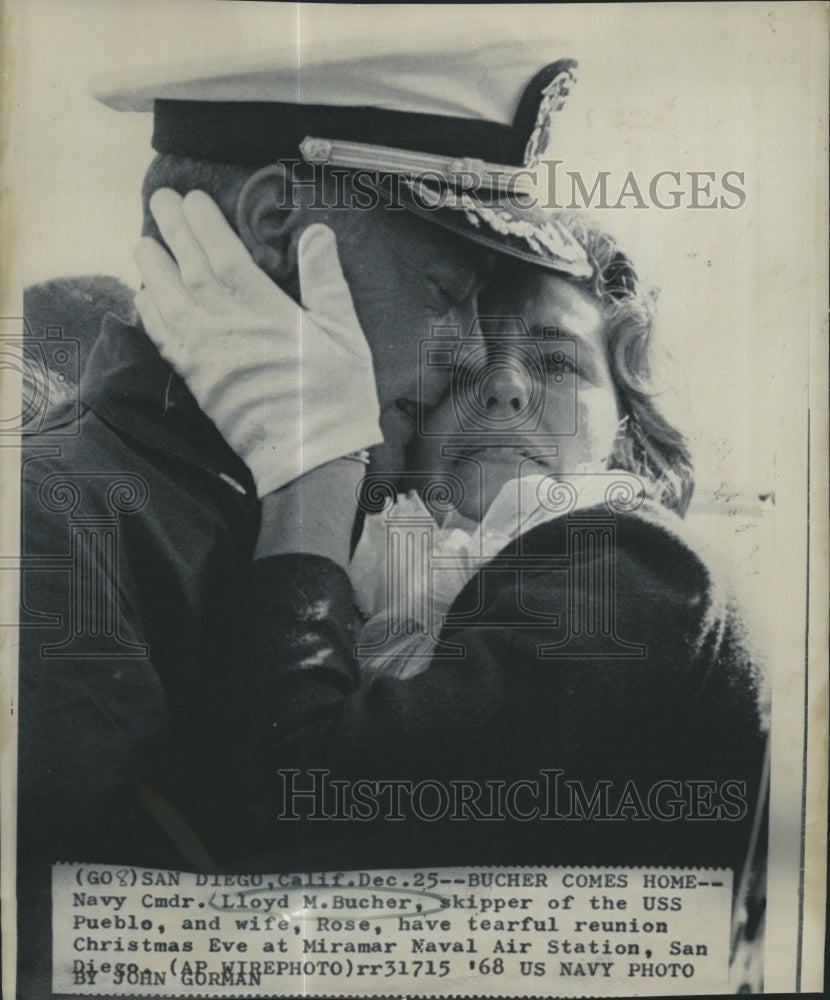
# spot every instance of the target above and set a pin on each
(62, 321)
(689, 573)
(662, 567)
(76, 305)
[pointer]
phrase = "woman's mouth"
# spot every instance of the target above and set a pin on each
(507, 454)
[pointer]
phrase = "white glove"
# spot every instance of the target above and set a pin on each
(289, 388)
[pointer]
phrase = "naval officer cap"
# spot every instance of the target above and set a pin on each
(459, 120)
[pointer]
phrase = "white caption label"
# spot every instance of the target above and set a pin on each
(561, 932)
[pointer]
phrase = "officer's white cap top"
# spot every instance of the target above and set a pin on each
(443, 64)
(474, 86)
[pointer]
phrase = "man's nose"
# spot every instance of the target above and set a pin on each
(506, 388)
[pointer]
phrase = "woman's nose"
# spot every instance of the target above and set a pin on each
(506, 388)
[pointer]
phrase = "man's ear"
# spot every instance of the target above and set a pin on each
(268, 222)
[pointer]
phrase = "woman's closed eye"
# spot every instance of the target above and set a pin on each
(451, 289)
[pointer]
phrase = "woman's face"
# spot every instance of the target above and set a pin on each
(535, 396)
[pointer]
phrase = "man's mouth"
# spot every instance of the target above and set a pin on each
(408, 407)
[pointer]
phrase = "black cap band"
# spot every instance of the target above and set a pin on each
(253, 133)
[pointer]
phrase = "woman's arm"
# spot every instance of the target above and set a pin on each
(314, 514)
(687, 710)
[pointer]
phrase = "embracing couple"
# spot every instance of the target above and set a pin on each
(523, 598)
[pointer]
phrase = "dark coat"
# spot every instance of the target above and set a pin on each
(138, 524)
(669, 692)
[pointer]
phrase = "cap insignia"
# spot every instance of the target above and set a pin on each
(553, 98)
(545, 237)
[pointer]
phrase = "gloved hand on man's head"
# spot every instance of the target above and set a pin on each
(290, 387)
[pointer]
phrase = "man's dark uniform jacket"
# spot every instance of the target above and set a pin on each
(165, 679)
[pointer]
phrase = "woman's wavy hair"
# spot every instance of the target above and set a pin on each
(646, 444)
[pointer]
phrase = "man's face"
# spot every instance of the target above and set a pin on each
(407, 277)
(532, 400)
